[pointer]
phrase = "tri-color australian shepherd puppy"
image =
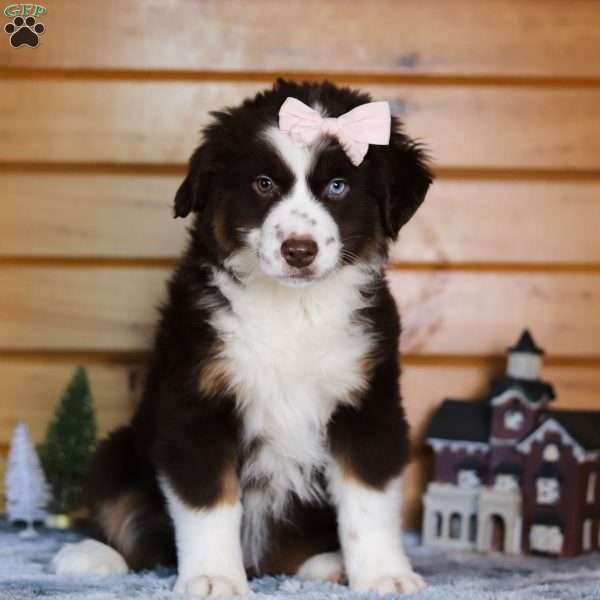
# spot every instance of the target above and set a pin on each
(271, 437)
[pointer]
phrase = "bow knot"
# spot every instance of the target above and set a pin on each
(330, 127)
(355, 130)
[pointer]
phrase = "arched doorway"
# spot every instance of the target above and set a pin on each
(455, 526)
(498, 538)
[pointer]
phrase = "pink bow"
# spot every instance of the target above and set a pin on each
(355, 130)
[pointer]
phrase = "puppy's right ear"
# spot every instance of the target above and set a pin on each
(196, 188)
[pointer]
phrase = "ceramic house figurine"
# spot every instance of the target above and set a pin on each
(511, 474)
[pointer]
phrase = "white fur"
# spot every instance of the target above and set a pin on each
(209, 554)
(292, 351)
(328, 566)
(88, 557)
(292, 356)
(297, 215)
(370, 535)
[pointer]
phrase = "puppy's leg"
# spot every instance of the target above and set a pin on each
(199, 481)
(369, 525)
(209, 553)
(369, 445)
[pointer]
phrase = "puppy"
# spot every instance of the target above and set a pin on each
(270, 437)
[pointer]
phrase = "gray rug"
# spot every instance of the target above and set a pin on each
(24, 575)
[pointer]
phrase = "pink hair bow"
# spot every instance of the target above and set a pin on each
(355, 130)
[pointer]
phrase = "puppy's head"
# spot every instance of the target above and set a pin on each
(297, 213)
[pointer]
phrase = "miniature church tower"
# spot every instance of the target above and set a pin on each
(516, 401)
(525, 359)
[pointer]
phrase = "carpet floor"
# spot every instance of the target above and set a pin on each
(24, 575)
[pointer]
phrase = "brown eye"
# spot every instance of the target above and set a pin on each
(264, 186)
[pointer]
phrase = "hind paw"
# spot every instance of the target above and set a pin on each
(88, 558)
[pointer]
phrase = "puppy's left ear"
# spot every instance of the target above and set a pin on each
(194, 192)
(403, 180)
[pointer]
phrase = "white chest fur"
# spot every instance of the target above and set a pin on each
(292, 355)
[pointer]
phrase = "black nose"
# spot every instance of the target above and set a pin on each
(299, 252)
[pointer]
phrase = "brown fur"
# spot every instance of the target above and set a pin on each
(230, 493)
(117, 519)
(213, 379)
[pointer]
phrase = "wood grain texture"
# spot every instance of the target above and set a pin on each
(518, 222)
(461, 312)
(496, 37)
(79, 308)
(462, 221)
(444, 312)
(128, 216)
(159, 122)
(31, 391)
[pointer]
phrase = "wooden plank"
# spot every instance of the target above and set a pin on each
(463, 312)
(445, 312)
(496, 37)
(482, 222)
(79, 308)
(31, 390)
(462, 221)
(52, 214)
(158, 122)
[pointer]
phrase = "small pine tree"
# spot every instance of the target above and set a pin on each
(69, 444)
(27, 492)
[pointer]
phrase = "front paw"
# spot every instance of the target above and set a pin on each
(404, 583)
(204, 586)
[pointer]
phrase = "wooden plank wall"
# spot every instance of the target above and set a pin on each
(96, 125)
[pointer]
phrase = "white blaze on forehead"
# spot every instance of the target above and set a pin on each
(298, 158)
(298, 214)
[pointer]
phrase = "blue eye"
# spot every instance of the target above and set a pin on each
(336, 188)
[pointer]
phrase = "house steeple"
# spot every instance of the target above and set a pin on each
(525, 358)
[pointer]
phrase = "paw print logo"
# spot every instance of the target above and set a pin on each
(24, 31)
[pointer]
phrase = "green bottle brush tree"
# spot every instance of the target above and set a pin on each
(69, 445)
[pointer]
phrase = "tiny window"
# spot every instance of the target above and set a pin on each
(468, 478)
(548, 490)
(551, 453)
(591, 487)
(513, 419)
(438, 524)
(506, 483)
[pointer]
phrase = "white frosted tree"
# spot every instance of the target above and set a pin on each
(27, 491)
